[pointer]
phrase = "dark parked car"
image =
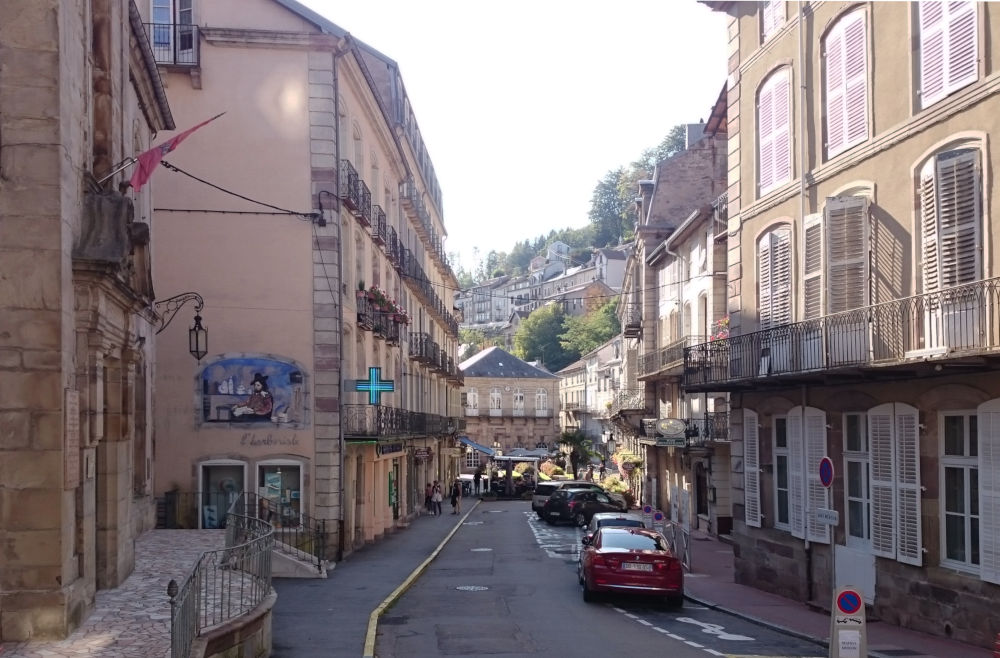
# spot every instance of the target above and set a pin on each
(545, 489)
(631, 561)
(578, 506)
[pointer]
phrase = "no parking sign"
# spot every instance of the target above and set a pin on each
(848, 628)
(658, 521)
(647, 514)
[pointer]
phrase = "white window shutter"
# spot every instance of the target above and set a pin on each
(764, 281)
(932, 52)
(767, 18)
(855, 79)
(751, 468)
(781, 103)
(796, 474)
(959, 214)
(909, 544)
(818, 496)
(930, 266)
(812, 267)
(881, 467)
(847, 256)
(989, 491)
(962, 64)
(765, 137)
(781, 277)
(836, 90)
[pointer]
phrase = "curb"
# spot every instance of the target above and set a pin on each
(406, 584)
(775, 627)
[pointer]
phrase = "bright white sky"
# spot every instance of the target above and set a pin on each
(525, 105)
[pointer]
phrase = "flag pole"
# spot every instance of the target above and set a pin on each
(127, 162)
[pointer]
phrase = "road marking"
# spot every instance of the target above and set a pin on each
(715, 629)
(712, 629)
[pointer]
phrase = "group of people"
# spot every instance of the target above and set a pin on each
(433, 497)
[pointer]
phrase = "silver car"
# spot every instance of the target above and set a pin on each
(545, 489)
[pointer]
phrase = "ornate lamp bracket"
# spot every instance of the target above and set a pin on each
(166, 309)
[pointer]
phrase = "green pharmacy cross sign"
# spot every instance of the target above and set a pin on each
(375, 386)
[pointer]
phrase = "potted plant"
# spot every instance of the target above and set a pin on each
(361, 289)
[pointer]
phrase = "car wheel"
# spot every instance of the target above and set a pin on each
(589, 595)
(580, 519)
(675, 601)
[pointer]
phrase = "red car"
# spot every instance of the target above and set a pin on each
(631, 561)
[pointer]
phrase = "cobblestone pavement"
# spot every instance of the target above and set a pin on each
(131, 621)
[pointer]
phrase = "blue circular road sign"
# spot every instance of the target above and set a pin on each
(826, 472)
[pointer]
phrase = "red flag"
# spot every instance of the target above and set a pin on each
(147, 161)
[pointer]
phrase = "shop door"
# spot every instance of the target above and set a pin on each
(281, 497)
(394, 488)
(221, 485)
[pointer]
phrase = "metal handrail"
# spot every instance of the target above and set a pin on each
(224, 584)
(176, 44)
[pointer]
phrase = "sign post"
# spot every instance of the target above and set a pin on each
(658, 521)
(647, 515)
(848, 629)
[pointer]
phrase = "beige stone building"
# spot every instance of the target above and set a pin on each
(80, 94)
(509, 404)
(335, 269)
(863, 298)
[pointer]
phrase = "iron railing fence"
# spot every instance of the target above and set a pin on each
(632, 320)
(379, 232)
(959, 321)
(668, 357)
(193, 510)
(709, 427)
(349, 188)
(630, 399)
(176, 44)
(366, 204)
(224, 584)
(381, 421)
(295, 533)
(679, 538)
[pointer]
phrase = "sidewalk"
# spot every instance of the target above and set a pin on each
(710, 583)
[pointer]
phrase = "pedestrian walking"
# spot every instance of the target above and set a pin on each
(456, 497)
(476, 479)
(428, 503)
(436, 498)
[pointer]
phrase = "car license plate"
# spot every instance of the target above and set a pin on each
(636, 566)
(555, 513)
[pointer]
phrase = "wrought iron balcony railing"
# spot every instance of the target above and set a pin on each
(632, 320)
(420, 346)
(174, 44)
(349, 188)
(365, 216)
(381, 421)
(366, 311)
(961, 321)
(630, 399)
(392, 248)
(379, 233)
(669, 357)
(710, 427)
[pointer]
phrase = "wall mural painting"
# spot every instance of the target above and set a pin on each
(239, 390)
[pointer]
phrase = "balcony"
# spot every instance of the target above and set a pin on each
(379, 233)
(349, 188)
(712, 427)
(420, 346)
(392, 248)
(571, 406)
(366, 311)
(666, 359)
(365, 211)
(368, 421)
(904, 338)
(388, 327)
(174, 44)
(629, 400)
(632, 321)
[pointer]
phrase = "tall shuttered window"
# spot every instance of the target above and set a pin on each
(951, 219)
(774, 137)
(751, 468)
(774, 277)
(894, 478)
(782, 485)
(949, 48)
(858, 522)
(960, 490)
(846, 68)
(988, 447)
(772, 17)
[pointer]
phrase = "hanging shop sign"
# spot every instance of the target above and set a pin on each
(423, 454)
(374, 386)
(383, 449)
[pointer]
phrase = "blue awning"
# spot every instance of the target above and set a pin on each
(481, 448)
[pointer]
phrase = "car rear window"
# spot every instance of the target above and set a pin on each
(631, 541)
(621, 523)
(544, 489)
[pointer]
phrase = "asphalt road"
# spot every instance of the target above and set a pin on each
(506, 585)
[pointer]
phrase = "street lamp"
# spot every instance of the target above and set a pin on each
(197, 334)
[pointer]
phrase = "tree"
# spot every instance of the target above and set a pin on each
(586, 333)
(608, 210)
(579, 449)
(474, 340)
(538, 335)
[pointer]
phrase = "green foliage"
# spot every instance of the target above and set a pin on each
(538, 337)
(585, 333)
(609, 210)
(580, 448)
(475, 339)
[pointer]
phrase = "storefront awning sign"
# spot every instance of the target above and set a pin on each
(375, 386)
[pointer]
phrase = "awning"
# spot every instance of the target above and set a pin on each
(481, 448)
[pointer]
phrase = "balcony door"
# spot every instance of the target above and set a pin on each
(774, 288)
(173, 31)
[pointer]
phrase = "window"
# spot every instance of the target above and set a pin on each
(950, 219)
(846, 83)
(541, 400)
(496, 401)
(473, 398)
(949, 49)
(781, 473)
(774, 281)
(858, 506)
(988, 447)
(772, 17)
(751, 468)
(894, 481)
(774, 143)
(960, 490)
(472, 459)
(518, 402)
